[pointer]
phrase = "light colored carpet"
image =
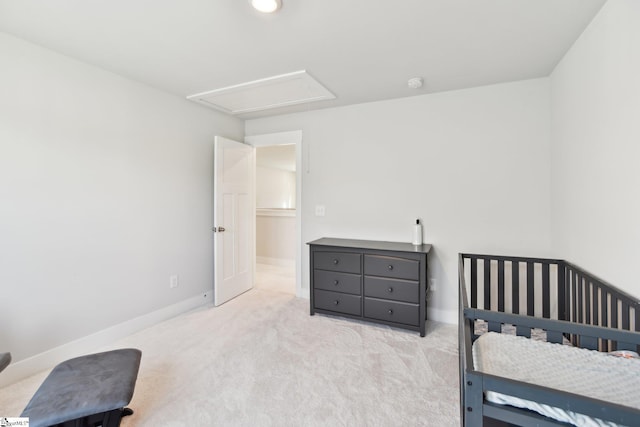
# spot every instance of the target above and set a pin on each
(275, 278)
(261, 360)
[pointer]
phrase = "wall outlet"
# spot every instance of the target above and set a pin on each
(319, 210)
(432, 285)
(173, 281)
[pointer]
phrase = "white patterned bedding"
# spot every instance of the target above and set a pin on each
(575, 370)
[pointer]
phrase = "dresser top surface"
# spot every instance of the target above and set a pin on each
(371, 244)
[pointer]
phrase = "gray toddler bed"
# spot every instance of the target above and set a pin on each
(536, 338)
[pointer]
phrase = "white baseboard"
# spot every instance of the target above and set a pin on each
(282, 262)
(303, 293)
(444, 316)
(92, 343)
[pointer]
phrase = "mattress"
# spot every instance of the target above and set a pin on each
(585, 372)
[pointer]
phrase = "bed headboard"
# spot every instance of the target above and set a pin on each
(548, 289)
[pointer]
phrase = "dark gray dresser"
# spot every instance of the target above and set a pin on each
(383, 282)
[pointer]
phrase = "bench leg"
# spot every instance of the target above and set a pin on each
(103, 419)
(112, 418)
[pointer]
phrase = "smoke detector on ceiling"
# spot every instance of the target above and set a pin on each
(415, 83)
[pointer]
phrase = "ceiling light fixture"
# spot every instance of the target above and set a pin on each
(266, 6)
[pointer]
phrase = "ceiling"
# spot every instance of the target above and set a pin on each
(360, 50)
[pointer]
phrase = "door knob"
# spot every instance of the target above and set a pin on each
(218, 229)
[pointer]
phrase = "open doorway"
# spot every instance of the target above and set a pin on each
(276, 218)
(278, 250)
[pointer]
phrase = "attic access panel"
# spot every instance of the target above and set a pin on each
(277, 91)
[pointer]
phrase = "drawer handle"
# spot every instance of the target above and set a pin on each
(335, 282)
(336, 261)
(390, 267)
(336, 302)
(390, 289)
(390, 312)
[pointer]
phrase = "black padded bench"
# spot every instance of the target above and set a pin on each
(87, 391)
(5, 359)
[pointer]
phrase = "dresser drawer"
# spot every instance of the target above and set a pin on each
(337, 261)
(391, 311)
(334, 281)
(338, 302)
(392, 289)
(387, 266)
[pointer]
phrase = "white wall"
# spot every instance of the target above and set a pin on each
(105, 191)
(275, 188)
(472, 164)
(596, 147)
(276, 237)
(275, 203)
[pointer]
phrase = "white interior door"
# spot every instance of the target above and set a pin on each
(234, 216)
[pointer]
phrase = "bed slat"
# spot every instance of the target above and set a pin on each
(530, 290)
(587, 303)
(546, 293)
(637, 328)
(515, 287)
(625, 316)
(614, 312)
(501, 285)
(574, 303)
(562, 292)
(596, 304)
(474, 283)
(574, 298)
(604, 309)
(487, 284)
(595, 307)
(580, 286)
